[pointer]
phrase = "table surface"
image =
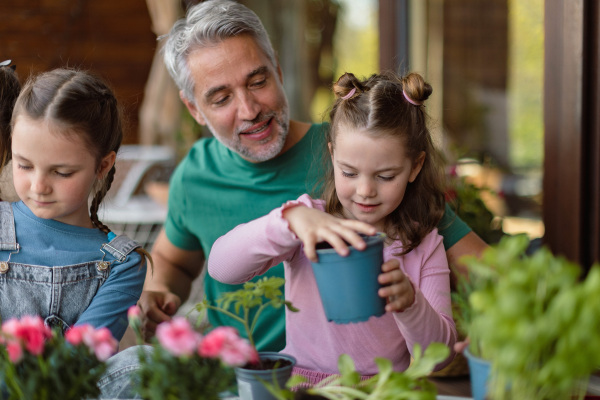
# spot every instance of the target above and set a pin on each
(453, 386)
(459, 387)
(449, 388)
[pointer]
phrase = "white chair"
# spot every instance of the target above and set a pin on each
(128, 209)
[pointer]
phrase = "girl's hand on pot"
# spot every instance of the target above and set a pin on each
(313, 226)
(459, 347)
(398, 289)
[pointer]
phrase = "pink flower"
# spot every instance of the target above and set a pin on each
(30, 330)
(452, 171)
(225, 343)
(11, 327)
(450, 195)
(178, 337)
(134, 313)
(104, 344)
(100, 341)
(76, 334)
(15, 351)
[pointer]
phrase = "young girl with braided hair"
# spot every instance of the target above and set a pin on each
(384, 176)
(57, 259)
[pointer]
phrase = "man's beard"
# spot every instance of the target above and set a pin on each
(266, 152)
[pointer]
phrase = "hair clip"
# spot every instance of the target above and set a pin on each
(350, 94)
(411, 101)
(6, 63)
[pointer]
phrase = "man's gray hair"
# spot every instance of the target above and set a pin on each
(206, 24)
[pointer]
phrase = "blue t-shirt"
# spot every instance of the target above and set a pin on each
(52, 244)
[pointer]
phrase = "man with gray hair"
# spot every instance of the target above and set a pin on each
(222, 60)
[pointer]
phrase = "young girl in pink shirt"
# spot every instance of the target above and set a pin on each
(385, 176)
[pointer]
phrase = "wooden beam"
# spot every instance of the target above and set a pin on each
(562, 126)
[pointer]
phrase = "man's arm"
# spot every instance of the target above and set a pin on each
(168, 284)
(470, 244)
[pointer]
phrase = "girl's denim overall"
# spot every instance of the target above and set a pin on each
(59, 294)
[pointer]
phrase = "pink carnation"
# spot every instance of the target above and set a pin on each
(134, 312)
(100, 341)
(76, 334)
(105, 345)
(11, 327)
(178, 337)
(225, 343)
(15, 351)
(30, 330)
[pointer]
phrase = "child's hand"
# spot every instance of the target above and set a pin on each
(459, 347)
(313, 226)
(156, 307)
(398, 289)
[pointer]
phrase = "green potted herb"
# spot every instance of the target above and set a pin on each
(387, 384)
(535, 319)
(272, 367)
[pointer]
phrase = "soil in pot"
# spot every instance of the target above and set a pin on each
(250, 380)
(266, 364)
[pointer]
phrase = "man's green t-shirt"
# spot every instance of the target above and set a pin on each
(213, 190)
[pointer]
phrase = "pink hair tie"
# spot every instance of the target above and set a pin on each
(350, 94)
(411, 101)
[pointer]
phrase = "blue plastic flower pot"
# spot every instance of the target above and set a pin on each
(250, 382)
(348, 285)
(480, 372)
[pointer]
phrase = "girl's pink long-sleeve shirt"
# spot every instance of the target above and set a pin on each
(252, 248)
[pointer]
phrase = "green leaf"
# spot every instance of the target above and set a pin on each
(349, 376)
(424, 363)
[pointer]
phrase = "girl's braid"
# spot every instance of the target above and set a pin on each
(98, 197)
(98, 224)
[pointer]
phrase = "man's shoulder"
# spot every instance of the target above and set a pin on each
(205, 145)
(318, 127)
(205, 150)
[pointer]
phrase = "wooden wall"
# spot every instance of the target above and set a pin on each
(572, 129)
(112, 38)
(475, 61)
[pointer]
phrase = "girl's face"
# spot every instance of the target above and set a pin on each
(53, 174)
(371, 174)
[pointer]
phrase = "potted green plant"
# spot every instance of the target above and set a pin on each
(272, 367)
(186, 365)
(467, 200)
(535, 319)
(387, 384)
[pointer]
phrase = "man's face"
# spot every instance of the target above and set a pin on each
(239, 96)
